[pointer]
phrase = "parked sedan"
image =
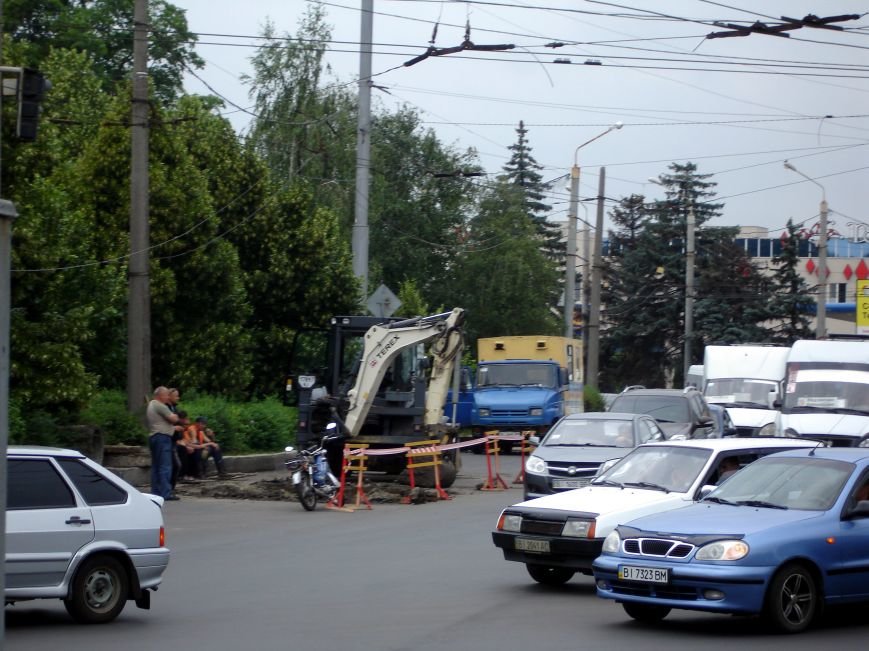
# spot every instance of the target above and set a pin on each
(561, 534)
(576, 446)
(784, 538)
(77, 532)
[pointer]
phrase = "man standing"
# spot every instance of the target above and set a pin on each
(161, 424)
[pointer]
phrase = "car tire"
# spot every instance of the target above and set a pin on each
(793, 599)
(550, 575)
(646, 613)
(99, 590)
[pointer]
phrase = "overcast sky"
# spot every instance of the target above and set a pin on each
(737, 107)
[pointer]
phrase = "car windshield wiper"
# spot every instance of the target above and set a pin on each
(578, 445)
(606, 482)
(719, 500)
(747, 404)
(801, 408)
(762, 504)
(647, 484)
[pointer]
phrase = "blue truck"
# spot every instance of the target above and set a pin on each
(525, 383)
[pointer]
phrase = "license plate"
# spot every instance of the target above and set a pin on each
(569, 483)
(531, 545)
(644, 574)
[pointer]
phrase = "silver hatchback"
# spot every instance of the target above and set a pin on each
(77, 532)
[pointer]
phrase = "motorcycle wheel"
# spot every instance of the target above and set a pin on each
(305, 493)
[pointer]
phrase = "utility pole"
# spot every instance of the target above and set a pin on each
(689, 286)
(593, 355)
(139, 287)
(586, 283)
(570, 259)
(363, 150)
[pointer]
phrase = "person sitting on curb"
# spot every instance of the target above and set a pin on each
(187, 451)
(202, 438)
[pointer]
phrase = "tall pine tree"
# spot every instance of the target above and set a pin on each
(790, 294)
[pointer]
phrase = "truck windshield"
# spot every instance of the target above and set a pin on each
(525, 374)
(831, 390)
(741, 391)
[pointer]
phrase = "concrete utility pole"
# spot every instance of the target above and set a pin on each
(821, 302)
(593, 354)
(363, 150)
(689, 287)
(570, 259)
(139, 283)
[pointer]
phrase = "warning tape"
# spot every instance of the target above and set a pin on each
(382, 452)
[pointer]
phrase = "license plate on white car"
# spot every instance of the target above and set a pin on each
(569, 483)
(532, 545)
(644, 574)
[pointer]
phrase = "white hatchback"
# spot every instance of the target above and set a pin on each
(77, 532)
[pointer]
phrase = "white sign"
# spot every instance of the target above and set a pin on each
(383, 302)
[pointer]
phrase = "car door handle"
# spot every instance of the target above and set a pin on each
(77, 520)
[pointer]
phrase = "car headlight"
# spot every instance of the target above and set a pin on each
(767, 430)
(536, 411)
(535, 465)
(575, 528)
(483, 412)
(510, 522)
(612, 543)
(722, 550)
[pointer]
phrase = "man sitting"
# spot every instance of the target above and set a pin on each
(199, 441)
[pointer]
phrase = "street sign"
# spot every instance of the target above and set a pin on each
(862, 307)
(383, 302)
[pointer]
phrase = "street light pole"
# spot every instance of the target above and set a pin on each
(570, 262)
(821, 324)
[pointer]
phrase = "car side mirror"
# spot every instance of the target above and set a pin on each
(706, 489)
(534, 440)
(657, 436)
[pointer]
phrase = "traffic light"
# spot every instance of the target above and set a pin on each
(31, 91)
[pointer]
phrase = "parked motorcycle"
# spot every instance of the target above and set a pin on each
(312, 479)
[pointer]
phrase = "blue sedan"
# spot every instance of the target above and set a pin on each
(782, 538)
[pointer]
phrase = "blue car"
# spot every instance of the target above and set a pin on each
(783, 538)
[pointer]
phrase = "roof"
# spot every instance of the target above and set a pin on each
(41, 450)
(739, 443)
(605, 415)
(659, 392)
(842, 454)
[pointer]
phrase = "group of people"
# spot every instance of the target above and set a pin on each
(179, 449)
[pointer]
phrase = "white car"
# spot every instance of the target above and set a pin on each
(77, 532)
(561, 534)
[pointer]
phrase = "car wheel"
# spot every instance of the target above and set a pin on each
(646, 613)
(549, 575)
(99, 591)
(792, 600)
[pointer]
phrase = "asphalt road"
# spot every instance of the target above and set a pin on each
(268, 575)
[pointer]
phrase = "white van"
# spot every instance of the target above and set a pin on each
(747, 380)
(827, 392)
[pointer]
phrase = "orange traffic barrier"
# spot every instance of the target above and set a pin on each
(355, 460)
(524, 448)
(494, 481)
(424, 454)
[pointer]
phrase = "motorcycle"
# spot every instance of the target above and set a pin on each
(312, 479)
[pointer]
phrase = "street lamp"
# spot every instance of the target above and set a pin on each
(570, 262)
(821, 326)
(689, 278)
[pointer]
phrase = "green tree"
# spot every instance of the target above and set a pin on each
(791, 298)
(503, 279)
(103, 29)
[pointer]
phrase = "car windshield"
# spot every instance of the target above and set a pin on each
(833, 390)
(740, 390)
(525, 374)
(807, 483)
(592, 432)
(667, 409)
(669, 468)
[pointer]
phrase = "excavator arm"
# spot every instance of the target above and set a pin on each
(385, 341)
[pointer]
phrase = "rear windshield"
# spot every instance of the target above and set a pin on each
(668, 409)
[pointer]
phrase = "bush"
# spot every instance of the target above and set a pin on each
(592, 399)
(17, 425)
(108, 412)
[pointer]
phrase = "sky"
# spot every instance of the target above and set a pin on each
(736, 107)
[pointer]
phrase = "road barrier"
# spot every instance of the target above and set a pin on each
(355, 460)
(424, 454)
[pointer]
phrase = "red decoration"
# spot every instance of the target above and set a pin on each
(810, 266)
(862, 270)
(847, 271)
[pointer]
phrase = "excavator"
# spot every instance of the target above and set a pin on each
(382, 388)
